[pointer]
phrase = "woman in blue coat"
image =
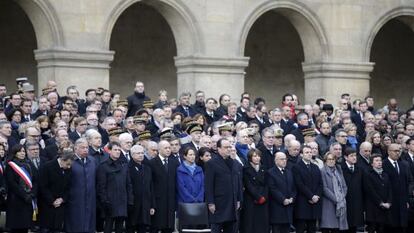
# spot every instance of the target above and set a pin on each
(190, 179)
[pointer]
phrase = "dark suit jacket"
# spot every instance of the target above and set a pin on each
(223, 188)
(268, 158)
(281, 187)
(287, 126)
(191, 111)
(73, 136)
(51, 152)
(210, 119)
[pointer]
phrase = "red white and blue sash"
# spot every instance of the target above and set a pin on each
(22, 173)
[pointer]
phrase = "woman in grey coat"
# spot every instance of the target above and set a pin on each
(334, 216)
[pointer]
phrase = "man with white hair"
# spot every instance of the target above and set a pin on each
(157, 123)
(151, 150)
(293, 151)
(54, 101)
(126, 141)
(95, 146)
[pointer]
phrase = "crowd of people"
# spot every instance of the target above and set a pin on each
(104, 164)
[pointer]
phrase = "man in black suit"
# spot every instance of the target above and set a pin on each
(80, 129)
(267, 147)
(400, 178)
(365, 151)
(199, 105)
(357, 116)
(164, 170)
(185, 108)
(308, 180)
(282, 191)
(194, 130)
(409, 157)
(43, 109)
(52, 149)
(223, 189)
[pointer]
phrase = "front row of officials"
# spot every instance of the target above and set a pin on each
(143, 193)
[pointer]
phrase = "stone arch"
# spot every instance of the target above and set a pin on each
(45, 22)
(307, 24)
(187, 34)
(400, 13)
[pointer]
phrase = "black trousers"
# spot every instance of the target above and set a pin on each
(165, 230)
(302, 225)
(375, 227)
(225, 227)
(24, 230)
(109, 224)
(350, 230)
(281, 228)
(325, 230)
(137, 228)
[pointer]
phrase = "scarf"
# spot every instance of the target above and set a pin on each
(353, 141)
(378, 170)
(190, 167)
(339, 193)
(243, 149)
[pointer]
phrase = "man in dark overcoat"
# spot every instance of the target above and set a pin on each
(223, 189)
(282, 192)
(54, 184)
(308, 180)
(355, 204)
(136, 100)
(80, 213)
(400, 178)
(164, 170)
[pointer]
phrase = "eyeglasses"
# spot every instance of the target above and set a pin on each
(34, 136)
(342, 136)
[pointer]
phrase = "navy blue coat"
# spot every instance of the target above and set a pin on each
(308, 183)
(399, 186)
(378, 189)
(281, 187)
(190, 187)
(81, 209)
(223, 188)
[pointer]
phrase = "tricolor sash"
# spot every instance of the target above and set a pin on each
(22, 173)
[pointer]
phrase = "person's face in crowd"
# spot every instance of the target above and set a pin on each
(343, 104)
(287, 114)
(27, 107)
(393, 104)
(153, 151)
(129, 123)
(394, 151)
(399, 128)
(352, 132)
(288, 101)
(92, 120)
(383, 125)
(276, 116)
(376, 139)
(139, 87)
(309, 110)
(232, 110)
(378, 119)
(309, 138)
(66, 164)
(363, 107)
(29, 95)
(200, 97)
(177, 120)
(6, 130)
(190, 157)
(369, 127)
(126, 144)
(118, 116)
(295, 101)
(369, 118)
(163, 97)
(268, 139)
(316, 109)
(393, 116)
(314, 147)
(278, 141)
(370, 102)
(205, 157)
(225, 149)
(307, 154)
(65, 115)
(68, 104)
(16, 100)
(377, 163)
(356, 105)
(33, 134)
(33, 152)
(81, 127)
(196, 136)
(255, 159)
(409, 130)
(138, 155)
(106, 96)
(115, 152)
(167, 112)
(140, 126)
(330, 160)
(62, 135)
(3, 116)
(294, 149)
(4, 142)
(211, 105)
(325, 128)
(336, 150)
(243, 138)
(53, 99)
(214, 140)
(95, 141)
(73, 94)
(43, 104)
(3, 91)
(61, 125)
(91, 96)
(21, 154)
(351, 158)
(82, 150)
(225, 100)
(410, 146)
(175, 146)
(280, 159)
(387, 141)
(323, 115)
(365, 151)
(205, 141)
(2, 151)
(251, 112)
(342, 138)
(17, 117)
(164, 149)
(110, 124)
(97, 105)
(245, 103)
(185, 100)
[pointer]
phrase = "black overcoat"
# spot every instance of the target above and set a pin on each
(281, 187)
(308, 183)
(141, 180)
(54, 183)
(164, 184)
(254, 217)
(378, 188)
(355, 204)
(223, 188)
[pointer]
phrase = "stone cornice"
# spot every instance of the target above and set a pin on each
(73, 58)
(212, 65)
(338, 70)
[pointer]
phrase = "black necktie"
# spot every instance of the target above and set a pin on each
(352, 169)
(308, 166)
(396, 167)
(166, 164)
(187, 111)
(127, 156)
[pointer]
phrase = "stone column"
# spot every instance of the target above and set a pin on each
(213, 75)
(85, 69)
(330, 79)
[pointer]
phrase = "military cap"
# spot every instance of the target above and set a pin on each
(122, 103)
(308, 132)
(279, 133)
(148, 104)
(225, 127)
(166, 134)
(144, 135)
(194, 128)
(139, 119)
(115, 131)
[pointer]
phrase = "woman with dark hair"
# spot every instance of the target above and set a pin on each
(204, 155)
(44, 127)
(54, 116)
(190, 179)
(21, 194)
(254, 214)
(15, 118)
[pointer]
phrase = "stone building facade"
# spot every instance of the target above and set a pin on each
(315, 48)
